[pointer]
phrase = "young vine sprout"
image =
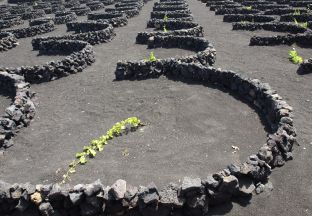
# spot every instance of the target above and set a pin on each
(294, 57)
(97, 145)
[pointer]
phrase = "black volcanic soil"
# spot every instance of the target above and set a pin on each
(190, 130)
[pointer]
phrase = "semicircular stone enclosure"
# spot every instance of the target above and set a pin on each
(105, 47)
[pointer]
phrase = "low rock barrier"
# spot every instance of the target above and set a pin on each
(128, 11)
(247, 17)
(115, 19)
(273, 26)
(170, 14)
(306, 67)
(104, 34)
(81, 11)
(81, 56)
(32, 30)
(64, 17)
(7, 41)
(40, 21)
(10, 21)
(302, 39)
(19, 113)
(95, 5)
(143, 37)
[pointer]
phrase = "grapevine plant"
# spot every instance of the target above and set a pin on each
(294, 57)
(97, 145)
(165, 18)
(301, 24)
(296, 12)
(165, 29)
(151, 58)
(248, 8)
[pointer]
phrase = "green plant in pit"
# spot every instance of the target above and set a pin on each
(165, 18)
(303, 24)
(294, 57)
(97, 145)
(296, 12)
(248, 8)
(165, 29)
(151, 58)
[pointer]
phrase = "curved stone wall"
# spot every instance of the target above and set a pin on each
(21, 111)
(81, 56)
(306, 67)
(40, 21)
(115, 19)
(143, 37)
(103, 35)
(273, 26)
(96, 5)
(121, 198)
(170, 14)
(7, 41)
(32, 30)
(128, 11)
(302, 39)
(171, 24)
(64, 17)
(33, 14)
(10, 21)
(81, 11)
(247, 17)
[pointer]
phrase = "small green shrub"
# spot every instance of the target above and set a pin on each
(294, 57)
(303, 25)
(248, 8)
(165, 29)
(296, 12)
(151, 58)
(165, 18)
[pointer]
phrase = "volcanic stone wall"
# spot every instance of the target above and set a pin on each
(64, 17)
(22, 110)
(32, 30)
(40, 21)
(7, 41)
(103, 33)
(10, 21)
(276, 27)
(115, 19)
(81, 56)
(306, 66)
(81, 11)
(302, 39)
(33, 14)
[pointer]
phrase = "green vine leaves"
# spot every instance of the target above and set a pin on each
(97, 145)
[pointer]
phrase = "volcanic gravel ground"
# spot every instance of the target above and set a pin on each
(293, 190)
(187, 132)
